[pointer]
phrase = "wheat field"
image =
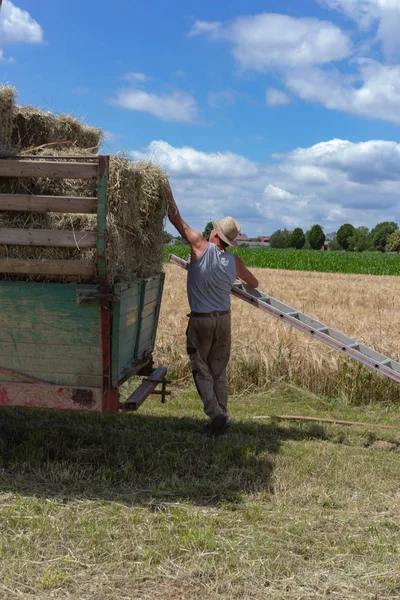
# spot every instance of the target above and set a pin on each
(266, 352)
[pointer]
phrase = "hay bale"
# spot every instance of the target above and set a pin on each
(27, 128)
(137, 197)
(33, 128)
(136, 212)
(7, 106)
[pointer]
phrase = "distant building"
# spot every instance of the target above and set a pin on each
(242, 239)
(264, 239)
(252, 244)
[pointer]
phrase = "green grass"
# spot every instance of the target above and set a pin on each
(368, 263)
(140, 506)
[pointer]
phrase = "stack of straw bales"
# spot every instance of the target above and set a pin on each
(137, 200)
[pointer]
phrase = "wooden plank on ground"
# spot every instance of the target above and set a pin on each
(83, 268)
(51, 396)
(48, 237)
(18, 167)
(322, 420)
(44, 204)
(148, 386)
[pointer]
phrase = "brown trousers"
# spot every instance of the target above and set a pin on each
(208, 346)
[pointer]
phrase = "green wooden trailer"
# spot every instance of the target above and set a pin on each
(71, 346)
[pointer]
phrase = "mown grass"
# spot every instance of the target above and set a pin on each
(140, 506)
(365, 263)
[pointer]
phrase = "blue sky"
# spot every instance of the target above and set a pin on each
(282, 114)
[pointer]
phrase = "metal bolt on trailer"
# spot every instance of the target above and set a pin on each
(71, 346)
(312, 327)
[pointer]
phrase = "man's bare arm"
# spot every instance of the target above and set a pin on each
(193, 237)
(243, 273)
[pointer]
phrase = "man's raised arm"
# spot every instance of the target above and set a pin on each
(243, 273)
(193, 237)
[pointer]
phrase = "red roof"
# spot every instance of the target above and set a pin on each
(242, 237)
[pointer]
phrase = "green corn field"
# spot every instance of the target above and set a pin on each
(368, 263)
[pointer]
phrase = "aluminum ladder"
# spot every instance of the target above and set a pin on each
(315, 329)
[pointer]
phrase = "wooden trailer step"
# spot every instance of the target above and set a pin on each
(146, 388)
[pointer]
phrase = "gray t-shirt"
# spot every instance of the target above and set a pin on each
(210, 280)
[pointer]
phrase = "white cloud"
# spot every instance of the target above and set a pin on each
(276, 193)
(330, 183)
(294, 205)
(275, 97)
(177, 106)
(369, 13)
(363, 12)
(375, 93)
(267, 41)
(365, 162)
(207, 27)
(307, 55)
(17, 26)
(186, 161)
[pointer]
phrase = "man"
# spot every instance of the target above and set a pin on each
(211, 274)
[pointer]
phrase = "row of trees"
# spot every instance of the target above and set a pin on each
(384, 237)
(314, 238)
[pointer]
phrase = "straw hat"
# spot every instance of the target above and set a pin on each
(228, 229)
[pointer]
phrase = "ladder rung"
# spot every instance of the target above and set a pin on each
(293, 314)
(354, 346)
(322, 329)
(385, 363)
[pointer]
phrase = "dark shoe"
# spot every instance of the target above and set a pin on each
(219, 425)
